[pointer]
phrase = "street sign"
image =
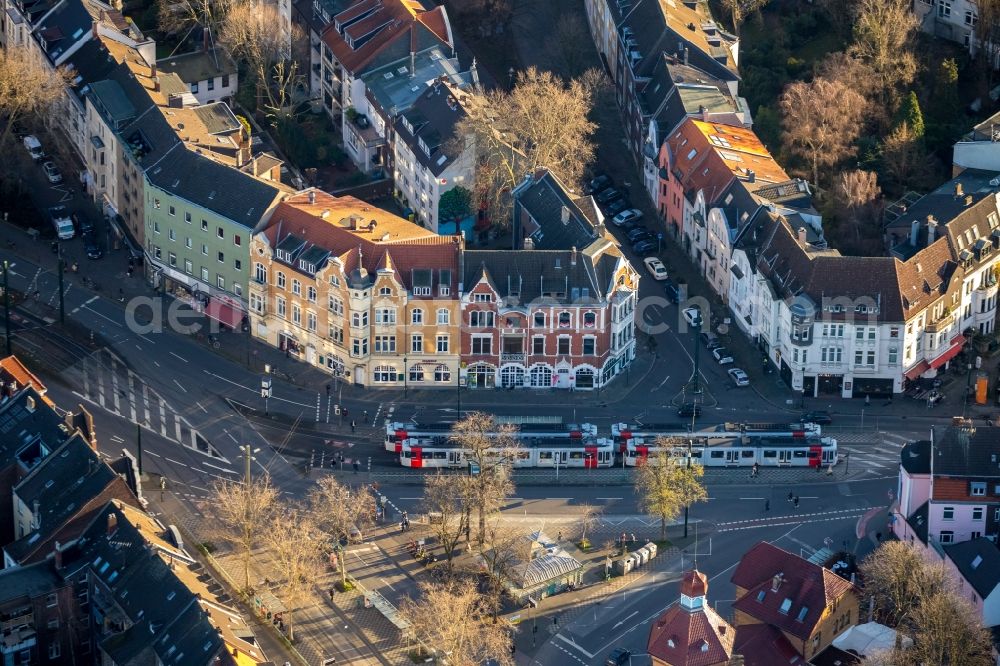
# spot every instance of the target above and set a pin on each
(473, 468)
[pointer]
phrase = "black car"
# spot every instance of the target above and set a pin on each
(619, 657)
(600, 182)
(618, 206)
(91, 247)
(689, 409)
(84, 225)
(671, 290)
(645, 246)
(608, 195)
(819, 418)
(638, 233)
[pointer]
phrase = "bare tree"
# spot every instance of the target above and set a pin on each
(181, 17)
(897, 578)
(948, 630)
(739, 10)
(884, 32)
(664, 486)
(491, 447)
(821, 120)
(589, 517)
(455, 619)
(443, 502)
(296, 545)
(29, 90)
(905, 158)
(852, 72)
(341, 512)
(504, 547)
(542, 123)
(987, 35)
(241, 510)
(858, 195)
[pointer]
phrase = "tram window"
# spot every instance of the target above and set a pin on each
(770, 453)
(440, 455)
(679, 453)
(407, 454)
(575, 455)
(545, 455)
(696, 453)
(718, 454)
(746, 453)
(630, 453)
(798, 454)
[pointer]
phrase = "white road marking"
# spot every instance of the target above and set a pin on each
(157, 455)
(102, 316)
(221, 469)
(569, 641)
(176, 356)
(176, 462)
(608, 498)
(238, 384)
(201, 408)
(231, 437)
(752, 498)
(620, 623)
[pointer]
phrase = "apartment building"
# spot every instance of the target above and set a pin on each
(954, 20)
(358, 291)
(210, 74)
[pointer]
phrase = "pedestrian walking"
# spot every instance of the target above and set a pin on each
(878, 537)
(791, 496)
(754, 470)
(767, 505)
(331, 594)
(796, 501)
(634, 540)
(366, 416)
(354, 426)
(357, 466)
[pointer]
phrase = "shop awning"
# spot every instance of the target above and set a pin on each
(917, 370)
(956, 346)
(224, 314)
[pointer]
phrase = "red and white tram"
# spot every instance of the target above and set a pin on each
(745, 452)
(587, 454)
(439, 434)
(646, 434)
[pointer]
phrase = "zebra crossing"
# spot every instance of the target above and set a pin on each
(108, 383)
(876, 451)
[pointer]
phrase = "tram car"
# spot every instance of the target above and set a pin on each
(742, 452)
(646, 434)
(541, 453)
(439, 434)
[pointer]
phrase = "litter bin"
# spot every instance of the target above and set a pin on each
(624, 565)
(641, 556)
(651, 547)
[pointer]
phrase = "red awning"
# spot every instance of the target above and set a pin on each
(224, 314)
(917, 370)
(956, 346)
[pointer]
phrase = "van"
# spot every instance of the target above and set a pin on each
(34, 147)
(61, 222)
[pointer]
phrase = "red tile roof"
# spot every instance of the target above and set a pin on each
(763, 645)
(11, 369)
(803, 591)
(946, 488)
(697, 637)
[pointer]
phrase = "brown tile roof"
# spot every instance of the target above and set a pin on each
(926, 276)
(804, 591)
(946, 488)
(11, 368)
(327, 223)
(691, 638)
(763, 645)
(392, 20)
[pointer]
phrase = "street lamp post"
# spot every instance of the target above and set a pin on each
(404, 378)
(694, 386)
(6, 306)
(968, 388)
(247, 457)
(266, 386)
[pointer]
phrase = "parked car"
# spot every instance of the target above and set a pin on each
(52, 173)
(670, 289)
(819, 418)
(722, 355)
(91, 247)
(600, 182)
(618, 206)
(84, 225)
(645, 247)
(692, 315)
(739, 377)
(61, 222)
(638, 233)
(656, 268)
(628, 215)
(710, 340)
(34, 147)
(619, 657)
(608, 195)
(689, 409)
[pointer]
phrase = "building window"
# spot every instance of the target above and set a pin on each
(311, 294)
(384, 373)
(385, 344)
(337, 334)
(222, 258)
(562, 347)
(442, 344)
(187, 243)
(417, 344)
(481, 319)
(280, 307)
(311, 321)
(442, 374)
(171, 234)
(51, 601)
(280, 280)
(172, 259)
(225, 80)
(416, 374)
(336, 306)
(539, 319)
(260, 273)
(443, 316)
(538, 344)
(204, 249)
(296, 287)
(187, 217)
(211, 84)
(893, 355)
(204, 274)
(482, 298)
(194, 88)
(359, 319)
(948, 513)
(171, 210)
(54, 650)
(944, 9)
(385, 316)
(417, 317)
(188, 266)
(946, 536)
(589, 320)
(385, 291)
(359, 347)
(220, 232)
(977, 512)
(589, 345)
(256, 303)
(564, 320)
(977, 488)
(482, 344)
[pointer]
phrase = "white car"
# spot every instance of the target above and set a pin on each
(656, 268)
(52, 173)
(626, 216)
(692, 315)
(739, 377)
(722, 355)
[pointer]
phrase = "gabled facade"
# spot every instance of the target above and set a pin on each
(355, 290)
(691, 633)
(788, 606)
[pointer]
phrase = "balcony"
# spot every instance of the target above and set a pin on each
(942, 323)
(512, 357)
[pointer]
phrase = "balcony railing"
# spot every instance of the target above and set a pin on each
(512, 357)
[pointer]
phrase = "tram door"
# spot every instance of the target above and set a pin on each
(454, 458)
(784, 457)
(732, 457)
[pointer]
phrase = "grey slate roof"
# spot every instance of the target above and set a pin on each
(963, 452)
(111, 100)
(20, 428)
(979, 562)
(395, 90)
(213, 186)
(30, 581)
(434, 121)
(915, 457)
(67, 23)
(943, 203)
(218, 118)
(540, 204)
(91, 62)
(150, 137)
(918, 521)
(541, 275)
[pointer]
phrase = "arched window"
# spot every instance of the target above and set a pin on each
(443, 316)
(564, 320)
(589, 319)
(260, 273)
(540, 319)
(384, 373)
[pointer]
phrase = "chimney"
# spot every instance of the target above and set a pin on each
(958, 190)
(914, 232)
(686, 55)
(312, 196)
(931, 229)
(572, 256)
(564, 215)
(751, 176)
(802, 235)
(57, 555)
(474, 74)
(29, 404)
(703, 110)
(413, 64)
(529, 244)
(968, 199)
(776, 581)
(112, 523)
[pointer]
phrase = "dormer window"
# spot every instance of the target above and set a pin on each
(539, 319)
(307, 266)
(283, 255)
(424, 147)
(482, 298)
(385, 291)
